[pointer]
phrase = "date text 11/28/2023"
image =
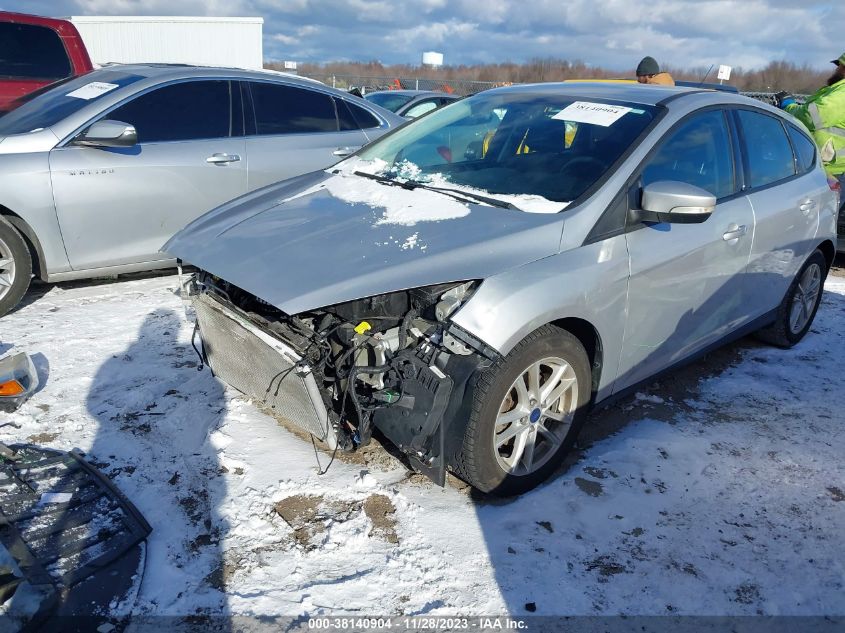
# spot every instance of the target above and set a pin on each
(416, 623)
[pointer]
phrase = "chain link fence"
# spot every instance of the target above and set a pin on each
(461, 87)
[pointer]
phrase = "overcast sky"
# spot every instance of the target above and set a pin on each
(613, 34)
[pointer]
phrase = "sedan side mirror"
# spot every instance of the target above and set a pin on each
(675, 202)
(108, 133)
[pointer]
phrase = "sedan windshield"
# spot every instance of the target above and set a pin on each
(388, 100)
(514, 145)
(58, 101)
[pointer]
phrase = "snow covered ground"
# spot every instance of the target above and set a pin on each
(720, 491)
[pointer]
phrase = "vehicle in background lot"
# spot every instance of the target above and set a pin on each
(410, 103)
(478, 302)
(34, 52)
(97, 173)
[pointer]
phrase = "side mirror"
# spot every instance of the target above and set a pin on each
(108, 133)
(675, 202)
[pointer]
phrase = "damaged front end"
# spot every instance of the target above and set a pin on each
(394, 362)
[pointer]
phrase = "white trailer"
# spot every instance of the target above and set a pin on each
(202, 41)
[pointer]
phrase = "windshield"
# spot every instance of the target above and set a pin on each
(512, 144)
(62, 99)
(388, 100)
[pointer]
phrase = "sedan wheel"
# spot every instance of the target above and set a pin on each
(15, 267)
(527, 411)
(7, 269)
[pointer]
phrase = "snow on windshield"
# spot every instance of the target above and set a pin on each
(407, 171)
(399, 206)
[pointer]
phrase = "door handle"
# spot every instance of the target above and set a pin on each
(222, 159)
(734, 232)
(344, 151)
(807, 206)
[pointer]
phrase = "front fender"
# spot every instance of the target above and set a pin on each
(26, 191)
(588, 282)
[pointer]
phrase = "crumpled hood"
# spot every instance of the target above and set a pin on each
(299, 246)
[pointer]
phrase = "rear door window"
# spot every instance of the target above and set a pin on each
(185, 111)
(698, 152)
(768, 152)
(281, 109)
(28, 51)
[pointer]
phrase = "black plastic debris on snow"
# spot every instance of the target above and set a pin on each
(73, 543)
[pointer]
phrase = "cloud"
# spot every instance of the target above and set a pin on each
(609, 33)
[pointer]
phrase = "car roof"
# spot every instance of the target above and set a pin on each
(62, 26)
(411, 93)
(173, 71)
(644, 94)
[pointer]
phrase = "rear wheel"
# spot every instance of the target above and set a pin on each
(798, 309)
(15, 267)
(527, 412)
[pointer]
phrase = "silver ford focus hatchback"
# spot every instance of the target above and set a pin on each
(472, 283)
(98, 172)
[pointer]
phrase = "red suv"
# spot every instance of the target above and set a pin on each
(36, 51)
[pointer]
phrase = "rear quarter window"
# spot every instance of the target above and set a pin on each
(805, 150)
(353, 117)
(28, 51)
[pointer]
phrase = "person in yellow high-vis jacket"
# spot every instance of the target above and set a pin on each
(824, 115)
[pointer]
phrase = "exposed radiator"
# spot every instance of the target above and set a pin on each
(262, 366)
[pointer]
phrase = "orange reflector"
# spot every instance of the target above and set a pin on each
(11, 388)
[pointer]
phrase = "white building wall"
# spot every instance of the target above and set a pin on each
(204, 41)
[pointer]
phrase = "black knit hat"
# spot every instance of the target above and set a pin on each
(648, 66)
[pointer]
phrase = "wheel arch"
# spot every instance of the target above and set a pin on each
(828, 249)
(39, 264)
(589, 337)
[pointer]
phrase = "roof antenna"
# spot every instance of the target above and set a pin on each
(706, 74)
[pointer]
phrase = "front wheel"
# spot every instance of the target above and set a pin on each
(798, 309)
(15, 267)
(527, 412)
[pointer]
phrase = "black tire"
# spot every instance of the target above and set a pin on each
(781, 333)
(478, 461)
(11, 241)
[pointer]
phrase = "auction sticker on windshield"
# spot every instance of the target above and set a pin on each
(92, 90)
(592, 113)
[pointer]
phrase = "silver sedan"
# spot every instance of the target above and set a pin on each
(98, 172)
(473, 283)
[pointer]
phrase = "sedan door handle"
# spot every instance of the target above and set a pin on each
(344, 151)
(734, 232)
(222, 159)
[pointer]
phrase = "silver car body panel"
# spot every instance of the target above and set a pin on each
(654, 295)
(114, 208)
(342, 245)
(312, 151)
(141, 198)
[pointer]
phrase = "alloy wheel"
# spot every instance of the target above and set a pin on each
(535, 415)
(805, 297)
(7, 268)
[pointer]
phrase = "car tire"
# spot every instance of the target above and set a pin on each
(798, 309)
(505, 453)
(15, 267)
